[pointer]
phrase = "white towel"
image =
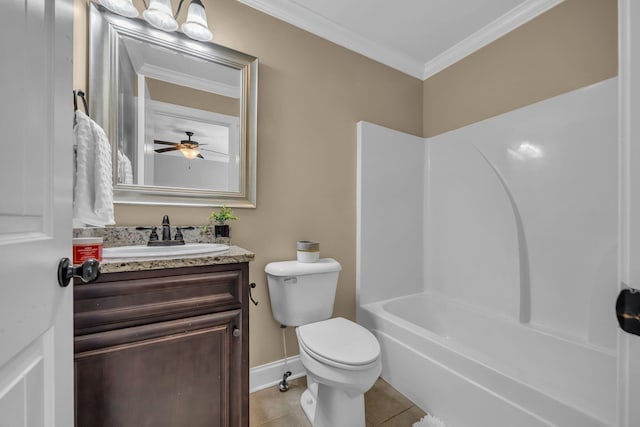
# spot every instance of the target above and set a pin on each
(125, 170)
(93, 190)
(429, 421)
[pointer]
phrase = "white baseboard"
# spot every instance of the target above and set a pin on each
(270, 374)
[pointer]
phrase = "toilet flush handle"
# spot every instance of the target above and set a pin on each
(252, 286)
(290, 280)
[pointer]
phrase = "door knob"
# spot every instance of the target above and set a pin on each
(88, 272)
(628, 311)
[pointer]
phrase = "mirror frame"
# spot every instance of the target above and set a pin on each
(104, 29)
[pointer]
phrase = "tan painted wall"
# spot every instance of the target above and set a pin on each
(311, 94)
(570, 46)
(192, 98)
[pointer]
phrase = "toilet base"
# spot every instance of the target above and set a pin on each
(308, 403)
(327, 406)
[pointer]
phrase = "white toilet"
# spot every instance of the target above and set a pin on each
(342, 359)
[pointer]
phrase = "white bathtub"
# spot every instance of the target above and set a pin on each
(474, 369)
(509, 226)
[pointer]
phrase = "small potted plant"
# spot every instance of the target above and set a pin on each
(221, 228)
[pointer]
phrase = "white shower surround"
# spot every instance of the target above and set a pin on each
(487, 260)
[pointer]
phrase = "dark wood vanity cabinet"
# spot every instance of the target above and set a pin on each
(163, 348)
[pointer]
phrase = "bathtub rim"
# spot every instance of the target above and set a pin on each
(536, 328)
(377, 310)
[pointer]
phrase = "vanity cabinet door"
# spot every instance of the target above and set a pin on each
(181, 372)
(166, 347)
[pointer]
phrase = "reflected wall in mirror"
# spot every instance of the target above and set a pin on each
(180, 114)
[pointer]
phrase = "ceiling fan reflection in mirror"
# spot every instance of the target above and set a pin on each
(188, 147)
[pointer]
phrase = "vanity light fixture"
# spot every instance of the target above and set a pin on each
(159, 13)
(121, 7)
(196, 24)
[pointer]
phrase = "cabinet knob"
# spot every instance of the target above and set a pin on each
(236, 332)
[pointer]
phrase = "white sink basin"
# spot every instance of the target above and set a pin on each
(162, 251)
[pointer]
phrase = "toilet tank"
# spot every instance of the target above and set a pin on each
(302, 292)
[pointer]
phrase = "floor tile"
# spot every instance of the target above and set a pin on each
(289, 420)
(384, 407)
(383, 402)
(406, 418)
(271, 404)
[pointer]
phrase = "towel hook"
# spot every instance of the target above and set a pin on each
(76, 94)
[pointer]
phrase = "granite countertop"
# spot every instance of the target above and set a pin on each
(127, 236)
(232, 255)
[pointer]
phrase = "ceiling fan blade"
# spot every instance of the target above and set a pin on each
(164, 150)
(214, 151)
(157, 141)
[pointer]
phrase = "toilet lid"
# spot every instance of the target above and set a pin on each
(341, 341)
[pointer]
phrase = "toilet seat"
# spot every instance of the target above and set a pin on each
(340, 343)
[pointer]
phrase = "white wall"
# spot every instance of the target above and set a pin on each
(178, 171)
(390, 188)
(520, 214)
(471, 239)
(552, 165)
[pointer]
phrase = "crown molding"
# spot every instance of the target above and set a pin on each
(183, 79)
(301, 17)
(506, 23)
(307, 20)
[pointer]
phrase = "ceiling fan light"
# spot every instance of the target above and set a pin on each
(121, 7)
(160, 15)
(196, 25)
(189, 153)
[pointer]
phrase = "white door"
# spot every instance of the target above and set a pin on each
(36, 346)
(629, 345)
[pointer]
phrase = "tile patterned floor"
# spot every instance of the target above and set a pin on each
(384, 407)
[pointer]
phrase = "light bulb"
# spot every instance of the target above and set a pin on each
(196, 24)
(189, 153)
(121, 7)
(160, 15)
